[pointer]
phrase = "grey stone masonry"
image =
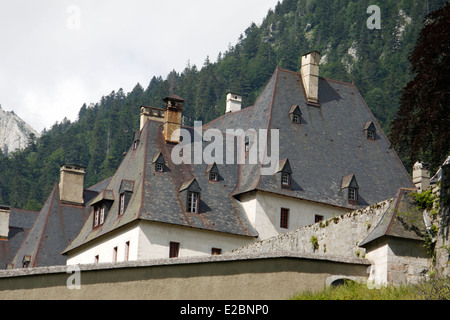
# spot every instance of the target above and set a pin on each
(338, 236)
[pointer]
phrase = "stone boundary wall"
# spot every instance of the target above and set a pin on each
(271, 276)
(338, 236)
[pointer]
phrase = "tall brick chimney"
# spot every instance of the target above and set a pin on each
(172, 118)
(310, 76)
(71, 184)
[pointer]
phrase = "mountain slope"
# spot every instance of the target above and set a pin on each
(15, 134)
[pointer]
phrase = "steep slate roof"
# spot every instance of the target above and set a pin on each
(401, 220)
(20, 223)
(326, 146)
(55, 226)
(157, 196)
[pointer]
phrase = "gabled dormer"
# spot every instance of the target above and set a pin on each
(159, 162)
(295, 114)
(370, 131)
(136, 139)
(350, 188)
(284, 171)
(102, 204)
(190, 191)
(125, 193)
(213, 172)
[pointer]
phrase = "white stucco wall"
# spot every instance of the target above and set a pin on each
(151, 241)
(156, 237)
(264, 211)
(104, 248)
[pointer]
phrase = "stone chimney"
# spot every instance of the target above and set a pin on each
(71, 184)
(172, 118)
(421, 176)
(4, 221)
(310, 76)
(150, 113)
(234, 103)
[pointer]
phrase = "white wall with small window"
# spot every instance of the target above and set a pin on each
(268, 211)
(120, 246)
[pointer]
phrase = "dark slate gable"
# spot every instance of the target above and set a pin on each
(327, 146)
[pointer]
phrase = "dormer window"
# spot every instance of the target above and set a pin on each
(137, 137)
(285, 179)
(191, 191)
(125, 192)
(102, 204)
(213, 172)
(192, 202)
(370, 131)
(350, 186)
(213, 176)
(295, 114)
(159, 162)
(285, 171)
(352, 194)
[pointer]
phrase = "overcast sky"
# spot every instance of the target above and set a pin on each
(56, 55)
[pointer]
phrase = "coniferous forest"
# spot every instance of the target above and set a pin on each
(376, 60)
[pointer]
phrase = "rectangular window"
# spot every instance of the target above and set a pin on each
(192, 202)
(285, 179)
(371, 134)
(122, 204)
(96, 259)
(174, 249)
(284, 218)
(102, 215)
(318, 218)
(96, 215)
(352, 194)
(127, 250)
(159, 167)
(216, 251)
(213, 176)
(296, 118)
(115, 254)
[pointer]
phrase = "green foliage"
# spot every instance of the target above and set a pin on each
(424, 200)
(104, 130)
(314, 242)
(433, 289)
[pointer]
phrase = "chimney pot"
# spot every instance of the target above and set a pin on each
(71, 184)
(4, 221)
(234, 103)
(421, 176)
(172, 118)
(310, 76)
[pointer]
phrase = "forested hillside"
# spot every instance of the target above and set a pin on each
(376, 60)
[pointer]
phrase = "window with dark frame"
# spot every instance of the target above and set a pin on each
(284, 218)
(295, 118)
(122, 204)
(174, 249)
(317, 218)
(115, 254)
(216, 251)
(352, 194)
(285, 179)
(213, 176)
(192, 202)
(127, 250)
(159, 167)
(371, 134)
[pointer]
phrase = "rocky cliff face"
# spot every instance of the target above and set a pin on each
(14, 132)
